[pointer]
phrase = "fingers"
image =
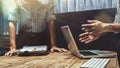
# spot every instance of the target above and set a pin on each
(85, 34)
(89, 39)
(92, 21)
(88, 29)
(86, 37)
(51, 50)
(6, 54)
(9, 53)
(64, 50)
(86, 40)
(55, 49)
(91, 26)
(82, 39)
(91, 31)
(87, 25)
(58, 49)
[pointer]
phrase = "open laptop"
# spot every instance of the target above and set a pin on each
(82, 53)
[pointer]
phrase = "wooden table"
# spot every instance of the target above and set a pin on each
(52, 60)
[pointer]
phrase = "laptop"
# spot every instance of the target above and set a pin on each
(82, 53)
(33, 50)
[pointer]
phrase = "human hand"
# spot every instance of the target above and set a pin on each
(53, 49)
(95, 27)
(92, 31)
(87, 38)
(10, 53)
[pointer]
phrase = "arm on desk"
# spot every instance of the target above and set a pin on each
(12, 32)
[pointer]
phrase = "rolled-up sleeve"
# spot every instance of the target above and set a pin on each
(50, 12)
(13, 15)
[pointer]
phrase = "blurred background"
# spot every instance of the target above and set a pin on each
(61, 6)
(72, 13)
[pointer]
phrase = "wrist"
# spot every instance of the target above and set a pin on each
(53, 45)
(107, 27)
(12, 47)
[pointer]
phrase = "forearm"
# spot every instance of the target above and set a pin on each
(113, 27)
(12, 33)
(52, 33)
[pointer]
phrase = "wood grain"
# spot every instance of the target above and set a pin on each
(52, 60)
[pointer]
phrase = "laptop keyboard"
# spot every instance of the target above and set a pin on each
(95, 63)
(86, 53)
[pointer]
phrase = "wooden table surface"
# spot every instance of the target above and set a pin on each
(52, 60)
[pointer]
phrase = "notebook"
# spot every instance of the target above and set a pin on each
(82, 53)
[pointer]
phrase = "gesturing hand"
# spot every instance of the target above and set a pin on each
(92, 31)
(87, 38)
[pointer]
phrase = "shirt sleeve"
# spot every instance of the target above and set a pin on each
(13, 15)
(117, 17)
(50, 12)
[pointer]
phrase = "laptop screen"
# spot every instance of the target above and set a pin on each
(70, 40)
